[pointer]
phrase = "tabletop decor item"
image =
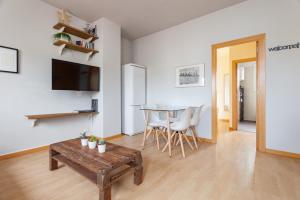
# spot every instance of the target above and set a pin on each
(101, 146)
(92, 142)
(190, 76)
(9, 60)
(84, 139)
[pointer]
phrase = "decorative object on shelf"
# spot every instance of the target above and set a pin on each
(63, 16)
(9, 60)
(92, 142)
(62, 36)
(101, 146)
(91, 29)
(78, 42)
(190, 76)
(84, 139)
(89, 45)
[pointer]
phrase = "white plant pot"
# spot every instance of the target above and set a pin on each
(84, 142)
(92, 145)
(101, 148)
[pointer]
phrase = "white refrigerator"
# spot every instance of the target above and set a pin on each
(133, 96)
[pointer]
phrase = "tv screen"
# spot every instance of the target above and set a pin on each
(74, 76)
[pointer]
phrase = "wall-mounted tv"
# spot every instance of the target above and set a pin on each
(74, 76)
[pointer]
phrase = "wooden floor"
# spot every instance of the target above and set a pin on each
(229, 170)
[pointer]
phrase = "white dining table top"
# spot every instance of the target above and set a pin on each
(162, 108)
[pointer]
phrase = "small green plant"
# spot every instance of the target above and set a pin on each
(62, 36)
(92, 139)
(83, 135)
(102, 142)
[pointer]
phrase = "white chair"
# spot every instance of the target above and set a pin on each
(194, 123)
(154, 124)
(180, 127)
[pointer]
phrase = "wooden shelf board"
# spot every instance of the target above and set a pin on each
(74, 31)
(74, 47)
(55, 115)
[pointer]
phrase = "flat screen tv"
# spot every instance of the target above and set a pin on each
(74, 76)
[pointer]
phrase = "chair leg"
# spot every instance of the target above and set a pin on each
(193, 129)
(165, 147)
(157, 139)
(182, 147)
(175, 139)
(178, 141)
(164, 135)
(146, 135)
(149, 132)
(144, 138)
(188, 141)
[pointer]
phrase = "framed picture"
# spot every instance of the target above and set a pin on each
(190, 76)
(9, 61)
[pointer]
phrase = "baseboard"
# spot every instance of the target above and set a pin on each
(114, 137)
(283, 153)
(24, 152)
(205, 140)
(42, 148)
(202, 139)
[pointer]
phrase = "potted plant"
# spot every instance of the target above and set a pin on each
(101, 146)
(62, 36)
(92, 142)
(83, 139)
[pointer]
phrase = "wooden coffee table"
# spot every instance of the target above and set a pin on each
(102, 169)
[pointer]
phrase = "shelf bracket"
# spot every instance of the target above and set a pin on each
(89, 39)
(88, 55)
(61, 48)
(33, 122)
(61, 29)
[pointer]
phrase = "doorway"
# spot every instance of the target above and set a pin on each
(244, 95)
(260, 87)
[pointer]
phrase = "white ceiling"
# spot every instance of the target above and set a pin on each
(142, 17)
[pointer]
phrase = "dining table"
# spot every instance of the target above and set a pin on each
(167, 110)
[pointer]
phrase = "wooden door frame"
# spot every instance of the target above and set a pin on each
(260, 87)
(234, 93)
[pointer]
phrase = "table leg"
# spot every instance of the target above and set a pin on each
(138, 175)
(146, 126)
(105, 193)
(169, 134)
(104, 185)
(137, 165)
(53, 164)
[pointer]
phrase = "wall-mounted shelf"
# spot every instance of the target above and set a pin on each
(35, 118)
(61, 27)
(64, 44)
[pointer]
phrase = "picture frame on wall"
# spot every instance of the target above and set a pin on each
(9, 60)
(190, 76)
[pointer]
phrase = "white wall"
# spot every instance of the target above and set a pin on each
(223, 68)
(191, 42)
(27, 26)
(108, 122)
(126, 51)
